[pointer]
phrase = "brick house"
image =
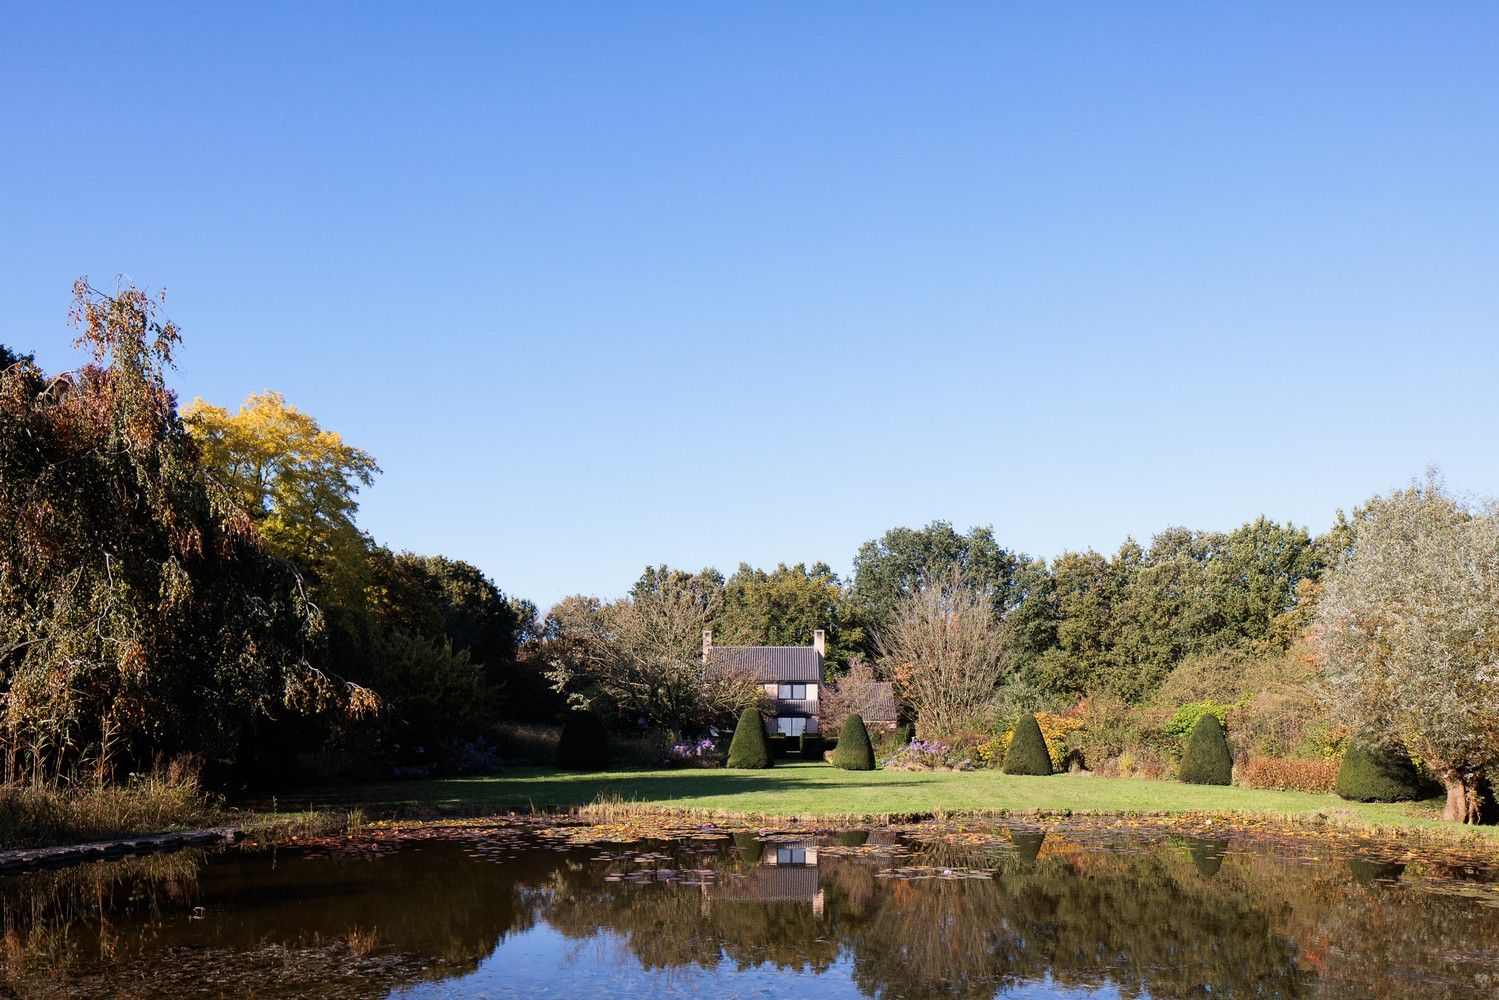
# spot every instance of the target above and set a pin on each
(791, 675)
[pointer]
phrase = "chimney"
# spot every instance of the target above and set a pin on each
(820, 642)
(707, 643)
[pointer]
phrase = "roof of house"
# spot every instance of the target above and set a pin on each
(769, 884)
(880, 704)
(766, 664)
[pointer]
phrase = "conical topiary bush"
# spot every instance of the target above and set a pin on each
(749, 748)
(1027, 753)
(854, 752)
(584, 743)
(1377, 774)
(1207, 760)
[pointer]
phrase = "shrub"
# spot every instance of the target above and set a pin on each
(812, 746)
(1377, 774)
(1207, 760)
(584, 743)
(927, 755)
(1028, 753)
(1183, 722)
(693, 753)
(854, 752)
(749, 748)
(1288, 774)
(1060, 732)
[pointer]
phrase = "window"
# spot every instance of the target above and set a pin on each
(791, 855)
(790, 727)
(793, 692)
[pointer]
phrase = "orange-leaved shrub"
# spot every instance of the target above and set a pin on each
(1288, 774)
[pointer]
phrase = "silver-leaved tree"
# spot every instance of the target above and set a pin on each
(1409, 632)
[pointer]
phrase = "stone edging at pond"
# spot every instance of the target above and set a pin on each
(31, 859)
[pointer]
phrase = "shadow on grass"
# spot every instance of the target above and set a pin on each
(558, 790)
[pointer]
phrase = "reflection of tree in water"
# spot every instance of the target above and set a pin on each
(1165, 919)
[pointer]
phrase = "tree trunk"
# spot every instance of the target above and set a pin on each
(1464, 797)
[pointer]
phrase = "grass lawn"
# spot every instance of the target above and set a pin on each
(807, 789)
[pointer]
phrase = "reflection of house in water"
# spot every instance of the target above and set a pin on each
(786, 873)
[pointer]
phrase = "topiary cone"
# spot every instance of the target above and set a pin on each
(854, 752)
(749, 747)
(1377, 774)
(1207, 760)
(1027, 753)
(584, 743)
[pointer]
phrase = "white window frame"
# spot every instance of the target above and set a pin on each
(790, 725)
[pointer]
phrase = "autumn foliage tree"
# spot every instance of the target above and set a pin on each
(944, 649)
(140, 613)
(1408, 629)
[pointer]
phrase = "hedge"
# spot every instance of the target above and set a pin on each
(1207, 760)
(854, 752)
(749, 748)
(1377, 774)
(1027, 753)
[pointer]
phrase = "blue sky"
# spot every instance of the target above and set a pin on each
(698, 283)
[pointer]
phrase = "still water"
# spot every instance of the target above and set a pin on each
(506, 912)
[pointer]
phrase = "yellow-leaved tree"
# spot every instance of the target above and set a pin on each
(298, 480)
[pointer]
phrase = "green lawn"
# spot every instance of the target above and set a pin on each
(798, 789)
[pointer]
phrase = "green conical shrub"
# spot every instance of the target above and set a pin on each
(1027, 845)
(749, 748)
(1027, 753)
(1377, 774)
(854, 752)
(1207, 760)
(750, 848)
(1207, 855)
(584, 743)
(853, 838)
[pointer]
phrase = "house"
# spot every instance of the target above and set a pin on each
(873, 700)
(787, 872)
(790, 675)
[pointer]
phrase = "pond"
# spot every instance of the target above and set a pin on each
(521, 911)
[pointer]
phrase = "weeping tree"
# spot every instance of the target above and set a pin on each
(1408, 629)
(140, 615)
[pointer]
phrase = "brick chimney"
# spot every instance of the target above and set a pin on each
(707, 643)
(820, 642)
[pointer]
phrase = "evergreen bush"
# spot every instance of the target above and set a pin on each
(1377, 774)
(854, 751)
(1027, 753)
(812, 746)
(1207, 760)
(584, 743)
(749, 748)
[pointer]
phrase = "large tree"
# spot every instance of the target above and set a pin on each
(889, 568)
(944, 649)
(784, 607)
(139, 612)
(640, 658)
(299, 480)
(1408, 628)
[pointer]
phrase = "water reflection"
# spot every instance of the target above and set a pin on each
(853, 914)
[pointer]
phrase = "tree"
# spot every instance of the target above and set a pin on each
(903, 560)
(784, 608)
(1408, 629)
(944, 649)
(749, 748)
(140, 614)
(1027, 753)
(859, 692)
(640, 658)
(854, 751)
(1207, 760)
(298, 480)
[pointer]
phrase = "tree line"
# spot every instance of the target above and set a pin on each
(194, 581)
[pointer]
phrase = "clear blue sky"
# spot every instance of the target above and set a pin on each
(698, 283)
